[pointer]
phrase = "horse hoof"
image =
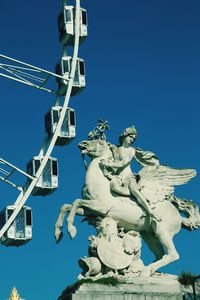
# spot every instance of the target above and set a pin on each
(146, 272)
(72, 231)
(59, 237)
(58, 234)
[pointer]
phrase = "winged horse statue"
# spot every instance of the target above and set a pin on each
(157, 219)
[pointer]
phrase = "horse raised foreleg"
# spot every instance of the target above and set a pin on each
(95, 206)
(70, 220)
(59, 223)
(171, 255)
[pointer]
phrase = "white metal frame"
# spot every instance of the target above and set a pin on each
(8, 173)
(22, 72)
(48, 145)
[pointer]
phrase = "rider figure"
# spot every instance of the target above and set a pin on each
(124, 181)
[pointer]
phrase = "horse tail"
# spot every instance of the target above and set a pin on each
(190, 210)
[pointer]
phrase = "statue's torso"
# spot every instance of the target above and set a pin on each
(127, 155)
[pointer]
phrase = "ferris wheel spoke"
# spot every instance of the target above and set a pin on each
(24, 71)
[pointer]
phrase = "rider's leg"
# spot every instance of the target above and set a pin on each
(133, 187)
(116, 186)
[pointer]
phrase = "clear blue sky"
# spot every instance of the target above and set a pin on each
(142, 63)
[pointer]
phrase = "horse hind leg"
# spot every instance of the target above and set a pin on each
(166, 240)
(154, 244)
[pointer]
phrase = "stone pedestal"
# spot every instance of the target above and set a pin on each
(135, 289)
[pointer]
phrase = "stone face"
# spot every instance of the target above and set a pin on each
(136, 289)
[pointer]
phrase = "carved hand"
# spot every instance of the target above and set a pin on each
(106, 162)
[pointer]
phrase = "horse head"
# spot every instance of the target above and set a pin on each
(93, 148)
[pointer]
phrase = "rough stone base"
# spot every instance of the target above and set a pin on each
(136, 289)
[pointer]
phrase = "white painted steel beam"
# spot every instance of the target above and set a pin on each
(3, 161)
(23, 70)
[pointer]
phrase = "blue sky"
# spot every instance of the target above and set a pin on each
(142, 63)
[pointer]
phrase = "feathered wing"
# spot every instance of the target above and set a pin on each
(157, 182)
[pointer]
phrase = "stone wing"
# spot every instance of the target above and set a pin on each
(157, 182)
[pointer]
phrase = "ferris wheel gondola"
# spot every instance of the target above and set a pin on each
(63, 69)
(48, 181)
(66, 25)
(20, 231)
(68, 129)
(23, 73)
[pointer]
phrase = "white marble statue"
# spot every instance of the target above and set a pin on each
(124, 181)
(142, 203)
(112, 252)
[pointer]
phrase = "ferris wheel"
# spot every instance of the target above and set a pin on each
(41, 175)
